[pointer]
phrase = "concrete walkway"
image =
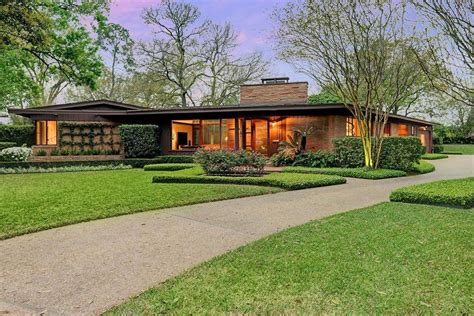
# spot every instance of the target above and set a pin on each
(89, 267)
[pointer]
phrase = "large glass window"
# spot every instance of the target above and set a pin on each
(402, 130)
(46, 132)
(352, 129)
(211, 133)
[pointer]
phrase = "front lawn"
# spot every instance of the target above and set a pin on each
(458, 193)
(33, 202)
(362, 173)
(391, 258)
(465, 149)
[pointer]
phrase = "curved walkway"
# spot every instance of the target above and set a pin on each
(89, 267)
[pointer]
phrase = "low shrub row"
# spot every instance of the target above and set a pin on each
(140, 140)
(452, 152)
(422, 167)
(433, 156)
(168, 167)
(398, 153)
(226, 162)
(134, 162)
(19, 134)
(457, 193)
(4, 145)
(362, 173)
(62, 169)
(287, 181)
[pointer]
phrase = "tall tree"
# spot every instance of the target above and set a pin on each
(451, 46)
(359, 50)
(115, 41)
(173, 54)
(53, 46)
(117, 48)
(225, 73)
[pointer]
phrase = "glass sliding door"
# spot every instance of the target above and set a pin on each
(46, 132)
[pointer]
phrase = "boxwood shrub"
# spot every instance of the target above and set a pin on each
(397, 152)
(287, 181)
(361, 173)
(19, 134)
(140, 141)
(457, 193)
(4, 145)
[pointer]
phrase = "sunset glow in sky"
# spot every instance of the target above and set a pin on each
(251, 20)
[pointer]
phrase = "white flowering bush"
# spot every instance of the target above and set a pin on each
(15, 154)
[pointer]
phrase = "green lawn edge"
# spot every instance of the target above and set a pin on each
(391, 258)
(452, 193)
(429, 156)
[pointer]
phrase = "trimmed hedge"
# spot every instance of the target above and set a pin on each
(398, 153)
(287, 181)
(19, 134)
(135, 163)
(457, 193)
(422, 167)
(438, 149)
(140, 141)
(362, 173)
(4, 145)
(168, 167)
(433, 156)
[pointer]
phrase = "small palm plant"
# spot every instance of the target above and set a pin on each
(296, 144)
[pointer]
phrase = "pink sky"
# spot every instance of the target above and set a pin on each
(251, 19)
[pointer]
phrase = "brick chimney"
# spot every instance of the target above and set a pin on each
(274, 90)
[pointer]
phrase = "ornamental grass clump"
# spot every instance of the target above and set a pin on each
(230, 162)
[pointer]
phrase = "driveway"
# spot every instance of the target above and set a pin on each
(89, 267)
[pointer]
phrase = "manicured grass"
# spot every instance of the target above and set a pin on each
(32, 202)
(392, 258)
(362, 173)
(169, 167)
(465, 149)
(287, 181)
(458, 193)
(423, 167)
(429, 156)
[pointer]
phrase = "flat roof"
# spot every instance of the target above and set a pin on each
(122, 109)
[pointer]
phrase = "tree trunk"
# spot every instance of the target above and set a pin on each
(183, 99)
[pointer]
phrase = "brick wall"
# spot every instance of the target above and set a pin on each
(293, 92)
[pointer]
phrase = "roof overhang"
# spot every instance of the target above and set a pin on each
(122, 111)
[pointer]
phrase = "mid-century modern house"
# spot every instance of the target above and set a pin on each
(268, 112)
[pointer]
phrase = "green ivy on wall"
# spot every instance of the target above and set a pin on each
(88, 133)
